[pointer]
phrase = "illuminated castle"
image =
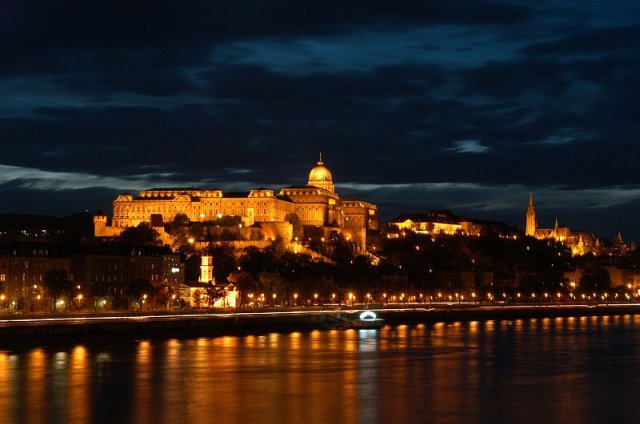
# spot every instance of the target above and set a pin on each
(315, 204)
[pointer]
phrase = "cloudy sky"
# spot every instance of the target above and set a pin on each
(415, 105)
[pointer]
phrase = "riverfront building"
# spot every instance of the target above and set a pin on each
(95, 273)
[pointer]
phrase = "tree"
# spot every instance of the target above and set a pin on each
(142, 235)
(57, 284)
(192, 267)
(214, 292)
(596, 279)
(140, 290)
(224, 262)
(180, 220)
(163, 295)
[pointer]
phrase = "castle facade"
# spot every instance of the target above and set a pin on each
(315, 204)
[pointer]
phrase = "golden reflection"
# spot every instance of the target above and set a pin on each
(296, 376)
(250, 341)
(335, 342)
(230, 342)
(350, 342)
(450, 372)
(294, 341)
(36, 396)
(173, 348)
(437, 332)
(274, 339)
(383, 343)
(143, 383)
(421, 329)
(6, 388)
(172, 394)
(79, 393)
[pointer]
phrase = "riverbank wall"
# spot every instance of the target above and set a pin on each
(45, 331)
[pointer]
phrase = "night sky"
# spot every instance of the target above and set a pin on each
(415, 105)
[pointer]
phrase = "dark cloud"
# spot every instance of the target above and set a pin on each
(596, 40)
(395, 94)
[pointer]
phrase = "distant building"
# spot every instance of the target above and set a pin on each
(445, 222)
(580, 242)
(315, 204)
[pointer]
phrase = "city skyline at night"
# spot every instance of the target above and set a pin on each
(415, 105)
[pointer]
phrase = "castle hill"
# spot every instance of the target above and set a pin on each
(303, 248)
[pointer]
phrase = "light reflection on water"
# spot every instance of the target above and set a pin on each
(559, 370)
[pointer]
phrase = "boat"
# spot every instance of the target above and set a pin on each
(366, 320)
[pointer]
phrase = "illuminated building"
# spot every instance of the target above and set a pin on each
(579, 242)
(444, 222)
(315, 204)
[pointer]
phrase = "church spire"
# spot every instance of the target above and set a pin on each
(530, 229)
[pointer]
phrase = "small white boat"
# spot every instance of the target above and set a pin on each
(366, 320)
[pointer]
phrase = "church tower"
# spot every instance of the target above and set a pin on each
(531, 218)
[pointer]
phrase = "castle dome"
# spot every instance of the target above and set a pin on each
(320, 173)
(320, 176)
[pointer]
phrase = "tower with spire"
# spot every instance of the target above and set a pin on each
(530, 229)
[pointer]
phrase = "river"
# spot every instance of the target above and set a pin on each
(552, 370)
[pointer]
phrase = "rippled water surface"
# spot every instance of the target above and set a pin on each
(560, 370)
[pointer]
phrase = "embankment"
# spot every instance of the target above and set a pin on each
(75, 329)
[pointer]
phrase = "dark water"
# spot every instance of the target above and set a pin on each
(584, 370)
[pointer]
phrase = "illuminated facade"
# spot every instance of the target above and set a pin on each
(314, 204)
(579, 242)
(443, 222)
